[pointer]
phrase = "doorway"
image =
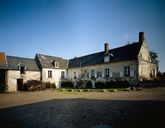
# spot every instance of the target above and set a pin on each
(20, 85)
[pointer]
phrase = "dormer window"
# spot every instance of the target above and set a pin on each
(106, 58)
(55, 64)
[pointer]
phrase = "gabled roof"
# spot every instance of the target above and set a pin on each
(45, 61)
(3, 62)
(14, 62)
(124, 53)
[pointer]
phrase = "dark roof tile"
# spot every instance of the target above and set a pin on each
(127, 52)
(45, 61)
(30, 64)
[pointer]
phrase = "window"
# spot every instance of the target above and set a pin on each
(92, 74)
(22, 69)
(56, 65)
(107, 72)
(75, 75)
(62, 74)
(127, 71)
(106, 59)
(49, 74)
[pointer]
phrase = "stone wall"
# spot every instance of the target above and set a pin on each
(145, 67)
(13, 75)
(116, 70)
(56, 76)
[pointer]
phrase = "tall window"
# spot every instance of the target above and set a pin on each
(75, 75)
(62, 74)
(49, 74)
(92, 74)
(127, 71)
(107, 72)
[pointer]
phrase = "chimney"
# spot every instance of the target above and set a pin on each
(141, 37)
(106, 48)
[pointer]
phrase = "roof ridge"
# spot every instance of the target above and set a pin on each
(20, 57)
(51, 56)
(103, 51)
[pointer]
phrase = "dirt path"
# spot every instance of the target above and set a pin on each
(52, 109)
(22, 98)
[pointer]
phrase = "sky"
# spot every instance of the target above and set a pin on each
(69, 28)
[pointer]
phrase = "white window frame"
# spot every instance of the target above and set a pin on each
(50, 74)
(56, 64)
(63, 74)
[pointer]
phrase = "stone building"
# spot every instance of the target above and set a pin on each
(131, 62)
(18, 70)
(53, 69)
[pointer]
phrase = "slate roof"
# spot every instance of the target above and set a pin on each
(3, 61)
(30, 64)
(124, 53)
(45, 61)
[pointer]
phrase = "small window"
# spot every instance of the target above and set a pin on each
(22, 69)
(62, 74)
(75, 75)
(49, 74)
(107, 72)
(56, 65)
(127, 71)
(92, 74)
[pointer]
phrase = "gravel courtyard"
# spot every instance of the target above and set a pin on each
(53, 109)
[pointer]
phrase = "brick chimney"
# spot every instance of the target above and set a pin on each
(106, 48)
(141, 37)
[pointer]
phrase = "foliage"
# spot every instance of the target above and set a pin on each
(88, 84)
(48, 85)
(53, 85)
(67, 84)
(33, 85)
(154, 58)
(153, 83)
(100, 85)
(112, 84)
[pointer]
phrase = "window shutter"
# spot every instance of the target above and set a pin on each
(77, 75)
(110, 74)
(95, 74)
(47, 74)
(121, 73)
(89, 74)
(53, 74)
(103, 73)
(132, 71)
(65, 74)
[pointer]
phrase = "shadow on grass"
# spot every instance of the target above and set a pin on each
(85, 113)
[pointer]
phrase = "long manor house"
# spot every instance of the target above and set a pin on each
(131, 62)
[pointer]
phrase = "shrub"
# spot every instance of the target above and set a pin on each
(100, 85)
(67, 84)
(53, 85)
(88, 84)
(152, 83)
(48, 85)
(33, 85)
(112, 84)
(118, 84)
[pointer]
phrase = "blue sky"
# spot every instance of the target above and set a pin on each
(69, 28)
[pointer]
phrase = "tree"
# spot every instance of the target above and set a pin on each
(154, 59)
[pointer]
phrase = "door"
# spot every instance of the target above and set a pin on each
(20, 84)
